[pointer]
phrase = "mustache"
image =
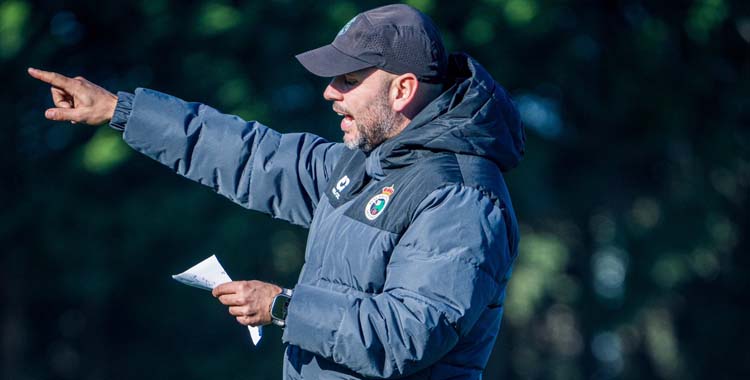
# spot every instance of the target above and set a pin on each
(341, 110)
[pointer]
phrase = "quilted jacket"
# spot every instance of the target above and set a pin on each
(410, 247)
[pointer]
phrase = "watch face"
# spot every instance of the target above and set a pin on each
(280, 304)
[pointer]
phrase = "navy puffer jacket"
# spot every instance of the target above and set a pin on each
(410, 248)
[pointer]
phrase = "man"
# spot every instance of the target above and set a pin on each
(412, 233)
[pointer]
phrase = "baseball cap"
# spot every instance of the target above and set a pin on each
(396, 38)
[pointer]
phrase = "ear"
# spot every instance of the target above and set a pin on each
(403, 91)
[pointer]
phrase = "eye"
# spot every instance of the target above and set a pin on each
(349, 81)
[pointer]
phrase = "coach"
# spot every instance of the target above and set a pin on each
(412, 234)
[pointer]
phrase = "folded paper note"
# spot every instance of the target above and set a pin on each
(207, 275)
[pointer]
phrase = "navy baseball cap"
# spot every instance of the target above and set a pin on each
(396, 38)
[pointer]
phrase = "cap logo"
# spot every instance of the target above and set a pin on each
(376, 204)
(346, 27)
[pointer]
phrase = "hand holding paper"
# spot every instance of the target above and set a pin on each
(207, 275)
(249, 301)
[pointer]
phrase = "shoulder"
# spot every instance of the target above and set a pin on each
(449, 173)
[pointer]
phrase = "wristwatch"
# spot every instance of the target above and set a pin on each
(279, 306)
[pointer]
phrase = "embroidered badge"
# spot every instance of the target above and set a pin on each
(376, 204)
(340, 186)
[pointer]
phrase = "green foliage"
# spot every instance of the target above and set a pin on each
(632, 197)
(13, 18)
(542, 262)
(519, 12)
(104, 151)
(703, 17)
(214, 18)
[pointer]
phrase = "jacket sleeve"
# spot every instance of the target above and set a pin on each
(247, 162)
(447, 268)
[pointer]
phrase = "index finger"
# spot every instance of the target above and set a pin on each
(225, 288)
(55, 79)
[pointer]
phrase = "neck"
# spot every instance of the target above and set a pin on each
(400, 124)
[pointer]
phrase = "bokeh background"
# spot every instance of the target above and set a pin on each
(632, 196)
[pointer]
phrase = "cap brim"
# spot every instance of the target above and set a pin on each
(327, 61)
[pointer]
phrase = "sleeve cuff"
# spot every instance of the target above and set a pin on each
(122, 110)
(313, 317)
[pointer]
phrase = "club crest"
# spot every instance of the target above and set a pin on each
(376, 204)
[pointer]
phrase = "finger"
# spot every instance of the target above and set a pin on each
(239, 311)
(55, 79)
(63, 114)
(248, 321)
(242, 320)
(61, 98)
(225, 288)
(231, 300)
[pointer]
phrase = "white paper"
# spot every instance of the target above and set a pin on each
(207, 275)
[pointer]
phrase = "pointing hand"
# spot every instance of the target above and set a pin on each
(76, 99)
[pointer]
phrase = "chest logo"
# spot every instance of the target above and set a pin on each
(376, 204)
(340, 186)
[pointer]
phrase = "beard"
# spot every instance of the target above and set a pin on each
(376, 124)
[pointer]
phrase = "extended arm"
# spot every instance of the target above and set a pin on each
(254, 166)
(249, 163)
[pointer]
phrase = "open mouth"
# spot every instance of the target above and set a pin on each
(347, 122)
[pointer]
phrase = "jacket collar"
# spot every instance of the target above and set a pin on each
(373, 166)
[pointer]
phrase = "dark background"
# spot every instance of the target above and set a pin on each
(632, 196)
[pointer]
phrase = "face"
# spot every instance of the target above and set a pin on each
(361, 98)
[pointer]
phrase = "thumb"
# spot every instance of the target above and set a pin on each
(63, 114)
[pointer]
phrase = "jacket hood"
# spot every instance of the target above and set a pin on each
(474, 116)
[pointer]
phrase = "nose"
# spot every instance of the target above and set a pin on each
(331, 93)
